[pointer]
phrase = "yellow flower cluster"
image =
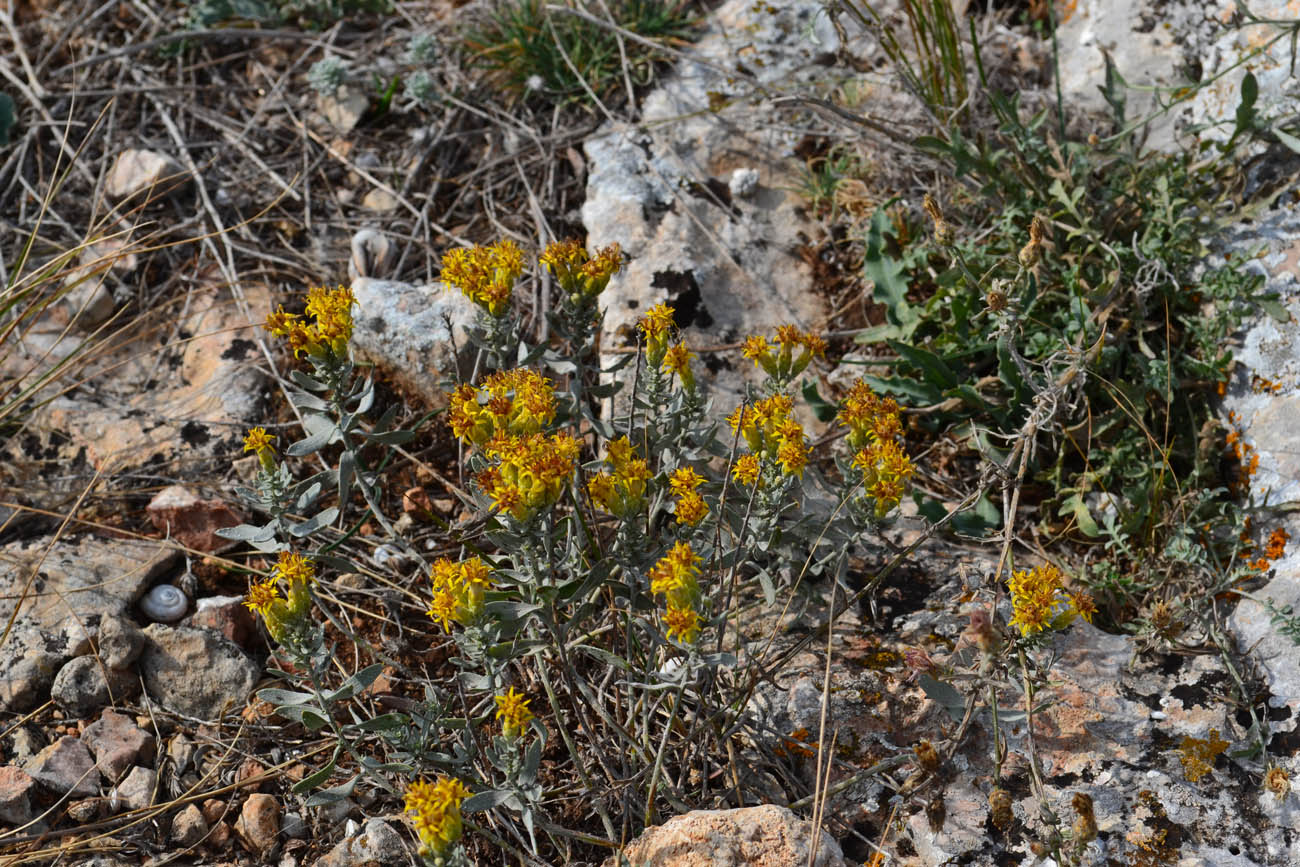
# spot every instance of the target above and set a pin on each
(435, 812)
(580, 275)
(530, 472)
(279, 612)
(621, 492)
(676, 576)
(458, 591)
(486, 275)
(517, 402)
(1040, 601)
(331, 329)
(784, 364)
(260, 442)
(677, 360)
(657, 326)
(772, 433)
(513, 712)
(876, 432)
(691, 508)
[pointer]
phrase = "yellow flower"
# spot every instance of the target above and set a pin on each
(458, 591)
(676, 574)
(328, 334)
(746, 470)
(582, 277)
(435, 812)
(691, 509)
(486, 275)
(259, 441)
(530, 472)
(262, 596)
(516, 402)
(684, 479)
(885, 470)
(1039, 601)
(869, 418)
(621, 492)
(656, 325)
(772, 434)
(677, 359)
(681, 623)
(784, 365)
(513, 712)
(281, 614)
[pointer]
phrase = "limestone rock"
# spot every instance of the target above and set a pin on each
(120, 642)
(344, 108)
(16, 787)
(226, 615)
(413, 332)
(136, 791)
(84, 685)
(141, 171)
(118, 743)
(66, 766)
(75, 586)
(188, 827)
(191, 520)
(766, 836)
(194, 672)
(377, 842)
(258, 824)
(728, 264)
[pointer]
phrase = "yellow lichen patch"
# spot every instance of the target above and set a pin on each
(1198, 755)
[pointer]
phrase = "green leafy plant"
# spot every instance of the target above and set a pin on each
(529, 50)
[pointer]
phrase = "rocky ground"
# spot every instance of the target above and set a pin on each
(128, 730)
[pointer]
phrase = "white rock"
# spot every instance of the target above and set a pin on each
(743, 183)
(136, 170)
(136, 791)
(379, 200)
(344, 108)
(413, 332)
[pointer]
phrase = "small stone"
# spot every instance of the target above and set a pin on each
(23, 744)
(16, 787)
(338, 811)
(344, 108)
(188, 827)
(66, 766)
(214, 811)
(120, 642)
(371, 254)
(136, 791)
(136, 170)
(89, 303)
(293, 827)
(87, 811)
(749, 835)
(377, 843)
(84, 685)
(416, 501)
(228, 616)
(118, 743)
(743, 183)
(379, 200)
(194, 672)
(193, 520)
(220, 836)
(259, 823)
(249, 769)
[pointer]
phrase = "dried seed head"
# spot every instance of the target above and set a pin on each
(927, 756)
(1085, 827)
(1277, 781)
(943, 234)
(997, 300)
(1000, 808)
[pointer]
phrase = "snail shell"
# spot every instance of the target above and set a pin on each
(164, 604)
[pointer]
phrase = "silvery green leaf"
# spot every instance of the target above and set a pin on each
(314, 523)
(485, 801)
(320, 433)
(330, 796)
(307, 497)
(945, 695)
(248, 533)
(307, 401)
(306, 381)
(347, 467)
(355, 683)
(366, 398)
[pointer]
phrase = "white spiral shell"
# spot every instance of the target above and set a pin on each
(164, 604)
